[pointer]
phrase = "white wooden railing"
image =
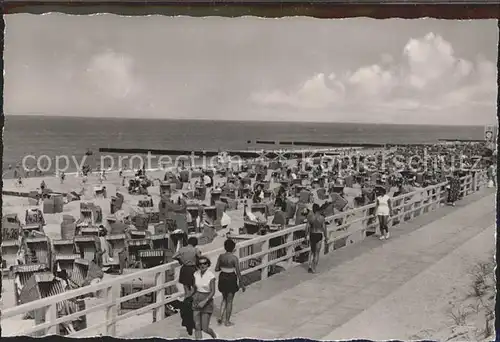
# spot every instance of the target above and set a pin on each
(255, 254)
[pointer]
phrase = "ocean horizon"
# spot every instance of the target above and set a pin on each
(72, 136)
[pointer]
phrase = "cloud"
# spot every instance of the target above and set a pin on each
(430, 76)
(317, 92)
(112, 74)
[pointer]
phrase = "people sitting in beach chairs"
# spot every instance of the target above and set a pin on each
(258, 195)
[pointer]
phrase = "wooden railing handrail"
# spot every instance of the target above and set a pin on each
(112, 286)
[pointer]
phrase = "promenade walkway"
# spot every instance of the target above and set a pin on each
(355, 281)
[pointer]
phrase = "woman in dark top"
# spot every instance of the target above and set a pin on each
(230, 281)
(453, 189)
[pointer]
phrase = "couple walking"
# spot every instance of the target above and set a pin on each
(199, 286)
(316, 226)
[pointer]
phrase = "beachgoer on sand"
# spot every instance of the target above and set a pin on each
(316, 227)
(230, 280)
(383, 211)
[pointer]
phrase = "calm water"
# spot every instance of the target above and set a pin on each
(53, 136)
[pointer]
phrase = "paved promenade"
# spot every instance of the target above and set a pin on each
(350, 281)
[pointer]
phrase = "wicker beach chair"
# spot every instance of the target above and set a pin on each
(84, 271)
(155, 257)
(141, 221)
(42, 285)
(215, 196)
(117, 252)
(135, 244)
(90, 214)
(21, 275)
(64, 262)
(40, 248)
(87, 246)
(160, 241)
(10, 250)
(64, 254)
(305, 196)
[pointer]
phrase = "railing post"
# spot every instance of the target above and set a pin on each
(51, 316)
(159, 313)
(265, 260)
(289, 250)
(112, 294)
(414, 211)
(436, 198)
(468, 185)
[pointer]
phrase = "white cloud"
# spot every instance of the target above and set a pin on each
(372, 81)
(430, 77)
(317, 92)
(112, 74)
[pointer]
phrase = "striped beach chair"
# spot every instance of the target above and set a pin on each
(21, 274)
(134, 245)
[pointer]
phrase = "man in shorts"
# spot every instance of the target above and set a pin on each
(316, 227)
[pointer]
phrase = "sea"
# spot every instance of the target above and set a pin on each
(73, 136)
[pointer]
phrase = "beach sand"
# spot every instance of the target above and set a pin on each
(113, 183)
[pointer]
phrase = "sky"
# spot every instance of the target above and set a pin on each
(422, 71)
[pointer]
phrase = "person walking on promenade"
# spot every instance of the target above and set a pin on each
(187, 257)
(230, 280)
(383, 210)
(203, 301)
(316, 227)
(453, 189)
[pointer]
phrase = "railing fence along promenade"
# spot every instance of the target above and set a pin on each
(255, 249)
